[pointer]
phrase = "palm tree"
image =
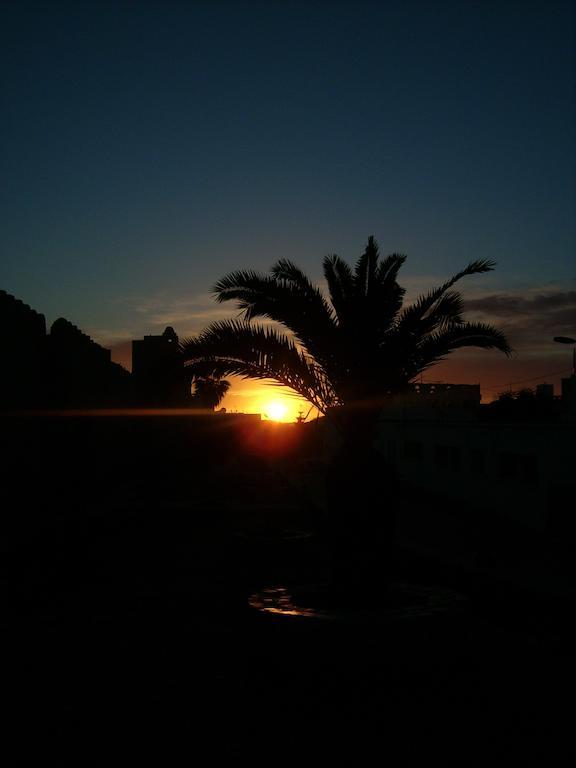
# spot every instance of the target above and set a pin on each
(357, 348)
(209, 391)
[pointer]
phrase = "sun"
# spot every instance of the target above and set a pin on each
(276, 411)
(271, 402)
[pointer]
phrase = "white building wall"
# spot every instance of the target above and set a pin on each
(512, 468)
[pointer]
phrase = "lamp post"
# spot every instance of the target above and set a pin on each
(568, 340)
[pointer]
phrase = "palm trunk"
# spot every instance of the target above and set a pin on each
(361, 506)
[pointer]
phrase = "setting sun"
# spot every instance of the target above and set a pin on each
(276, 410)
(274, 403)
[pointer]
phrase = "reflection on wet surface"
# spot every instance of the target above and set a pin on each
(279, 600)
(398, 601)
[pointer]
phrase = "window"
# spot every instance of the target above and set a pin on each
(447, 457)
(413, 451)
(477, 461)
(517, 467)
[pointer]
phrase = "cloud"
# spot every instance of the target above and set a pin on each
(529, 319)
(151, 314)
(502, 305)
(146, 315)
(109, 337)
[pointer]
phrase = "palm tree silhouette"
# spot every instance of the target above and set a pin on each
(209, 391)
(347, 355)
(356, 349)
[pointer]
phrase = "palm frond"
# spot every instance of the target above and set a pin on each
(287, 274)
(340, 280)
(388, 269)
(366, 268)
(412, 315)
(246, 287)
(480, 335)
(436, 346)
(253, 351)
(286, 297)
(386, 296)
(446, 311)
(284, 269)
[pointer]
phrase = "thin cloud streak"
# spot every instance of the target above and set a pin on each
(530, 320)
(503, 304)
(191, 311)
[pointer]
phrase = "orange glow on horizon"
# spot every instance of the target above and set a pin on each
(273, 402)
(490, 369)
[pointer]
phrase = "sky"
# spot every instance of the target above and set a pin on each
(148, 148)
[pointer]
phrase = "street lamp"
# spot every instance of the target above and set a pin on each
(568, 340)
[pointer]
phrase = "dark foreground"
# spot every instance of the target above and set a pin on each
(126, 630)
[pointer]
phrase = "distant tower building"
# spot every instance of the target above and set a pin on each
(545, 391)
(569, 396)
(158, 371)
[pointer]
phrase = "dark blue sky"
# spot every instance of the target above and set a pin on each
(148, 148)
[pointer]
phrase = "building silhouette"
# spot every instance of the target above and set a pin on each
(67, 369)
(61, 369)
(569, 396)
(158, 371)
(23, 340)
(545, 391)
(435, 401)
(81, 372)
(440, 440)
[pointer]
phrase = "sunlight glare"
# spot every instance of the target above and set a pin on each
(276, 411)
